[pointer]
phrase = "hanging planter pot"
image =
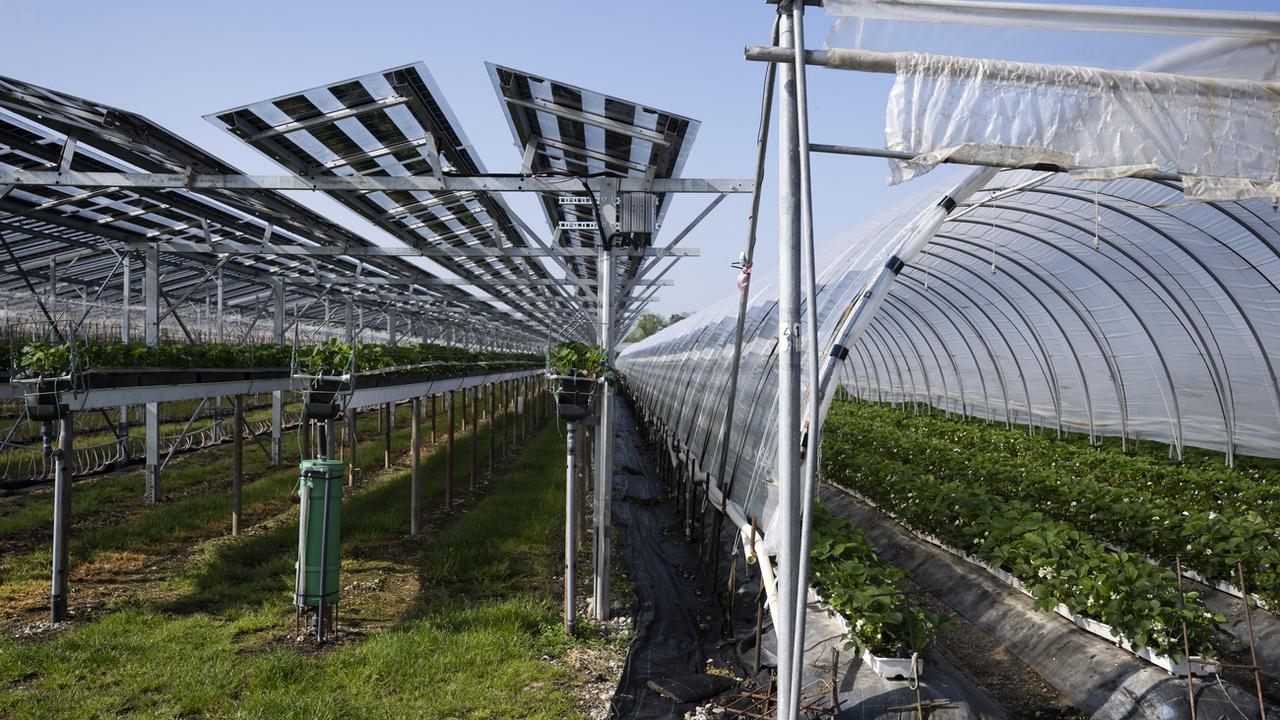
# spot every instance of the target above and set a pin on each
(44, 404)
(573, 395)
(576, 369)
(321, 402)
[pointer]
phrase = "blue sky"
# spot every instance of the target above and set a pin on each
(176, 61)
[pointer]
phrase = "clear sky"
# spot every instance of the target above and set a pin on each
(176, 61)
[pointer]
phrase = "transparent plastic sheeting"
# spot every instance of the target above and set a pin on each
(1223, 136)
(1111, 307)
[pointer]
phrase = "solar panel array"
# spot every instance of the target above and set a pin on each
(395, 123)
(392, 123)
(568, 131)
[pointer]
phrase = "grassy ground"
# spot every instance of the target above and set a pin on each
(215, 639)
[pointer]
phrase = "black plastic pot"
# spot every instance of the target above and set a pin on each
(43, 405)
(321, 401)
(573, 398)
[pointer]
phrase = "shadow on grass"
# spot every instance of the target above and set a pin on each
(246, 572)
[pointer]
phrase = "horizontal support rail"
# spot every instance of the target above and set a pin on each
(357, 183)
(226, 247)
(959, 159)
(442, 282)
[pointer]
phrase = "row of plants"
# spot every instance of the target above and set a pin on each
(43, 359)
(1054, 560)
(1141, 504)
(868, 592)
(334, 357)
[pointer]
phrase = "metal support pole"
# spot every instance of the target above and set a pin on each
(387, 411)
(604, 442)
(448, 456)
(151, 300)
(515, 413)
(475, 425)
(61, 519)
(237, 473)
(490, 390)
(810, 423)
(122, 421)
(570, 525)
(529, 418)
(433, 419)
(220, 337)
(277, 396)
(415, 491)
(787, 520)
(349, 443)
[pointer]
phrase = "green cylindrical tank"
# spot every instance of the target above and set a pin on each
(318, 554)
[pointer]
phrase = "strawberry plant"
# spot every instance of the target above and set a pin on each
(867, 591)
(940, 479)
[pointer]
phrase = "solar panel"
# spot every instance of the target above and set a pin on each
(567, 130)
(80, 231)
(395, 123)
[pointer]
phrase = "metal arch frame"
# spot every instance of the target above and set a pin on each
(1000, 375)
(1244, 316)
(881, 342)
(1213, 361)
(1045, 360)
(1078, 308)
(870, 369)
(883, 325)
(1075, 356)
(942, 373)
(959, 287)
(977, 366)
(890, 369)
(1176, 420)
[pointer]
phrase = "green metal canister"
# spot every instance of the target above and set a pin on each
(320, 488)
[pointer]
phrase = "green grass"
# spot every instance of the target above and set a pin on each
(469, 645)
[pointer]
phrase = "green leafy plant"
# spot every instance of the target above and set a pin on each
(575, 358)
(868, 592)
(1050, 513)
(41, 359)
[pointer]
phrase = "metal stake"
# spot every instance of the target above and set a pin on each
(237, 463)
(61, 517)
(570, 523)
(416, 453)
(1253, 645)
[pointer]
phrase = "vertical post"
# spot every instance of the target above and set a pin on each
(515, 415)
(448, 455)
(151, 334)
(493, 421)
(349, 443)
(415, 494)
(475, 425)
(122, 421)
(527, 385)
(506, 414)
(349, 414)
(219, 337)
(570, 524)
(387, 411)
(433, 419)
(237, 453)
(61, 518)
(788, 460)
(277, 396)
(604, 441)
